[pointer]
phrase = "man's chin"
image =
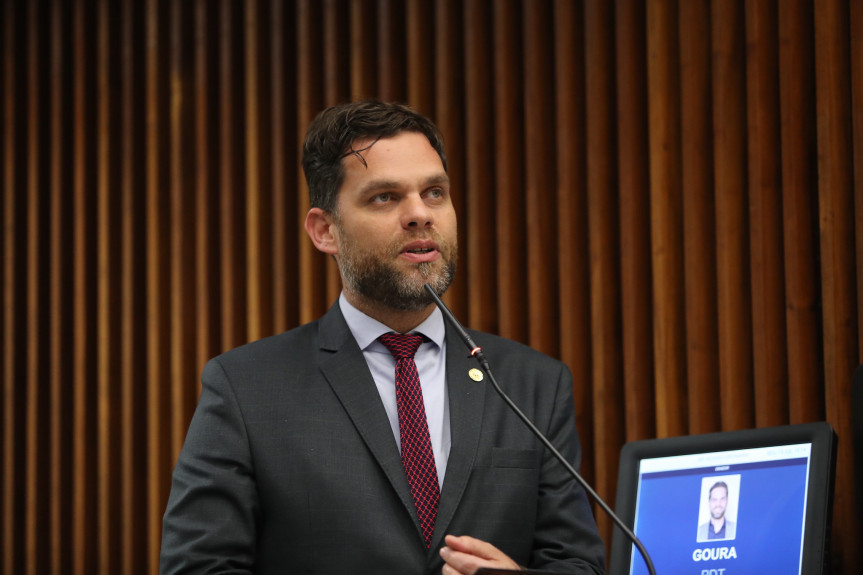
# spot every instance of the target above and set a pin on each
(419, 275)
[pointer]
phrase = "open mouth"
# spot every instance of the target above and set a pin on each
(420, 251)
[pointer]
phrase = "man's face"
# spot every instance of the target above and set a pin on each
(395, 225)
(718, 502)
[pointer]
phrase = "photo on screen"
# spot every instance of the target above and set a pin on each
(717, 510)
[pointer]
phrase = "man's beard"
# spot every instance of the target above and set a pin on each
(376, 277)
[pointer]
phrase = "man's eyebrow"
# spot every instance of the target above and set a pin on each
(437, 179)
(384, 184)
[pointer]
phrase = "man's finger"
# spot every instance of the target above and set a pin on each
(466, 554)
(473, 546)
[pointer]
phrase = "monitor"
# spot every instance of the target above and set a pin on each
(749, 501)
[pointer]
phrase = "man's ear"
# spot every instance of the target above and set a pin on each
(319, 225)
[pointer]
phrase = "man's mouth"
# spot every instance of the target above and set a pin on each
(420, 251)
(422, 246)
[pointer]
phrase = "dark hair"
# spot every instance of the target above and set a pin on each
(718, 484)
(332, 133)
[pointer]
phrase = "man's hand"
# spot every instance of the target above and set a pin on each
(464, 555)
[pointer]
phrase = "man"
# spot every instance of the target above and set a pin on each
(718, 527)
(315, 452)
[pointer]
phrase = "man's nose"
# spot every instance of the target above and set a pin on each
(416, 214)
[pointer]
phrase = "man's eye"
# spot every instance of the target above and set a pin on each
(382, 198)
(435, 193)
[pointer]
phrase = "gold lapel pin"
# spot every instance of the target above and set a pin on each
(475, 374)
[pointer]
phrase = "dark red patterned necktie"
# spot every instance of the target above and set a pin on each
(417, 454)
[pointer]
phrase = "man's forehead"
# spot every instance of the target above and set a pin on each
(407, 156)
(364, 146)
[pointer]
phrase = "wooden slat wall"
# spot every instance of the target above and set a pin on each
(666, 195)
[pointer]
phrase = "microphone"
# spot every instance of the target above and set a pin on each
(476, 351)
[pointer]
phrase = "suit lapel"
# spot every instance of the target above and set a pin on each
(466, 400)
(347, 373)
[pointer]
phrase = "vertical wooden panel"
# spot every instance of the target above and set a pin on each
(635, 259)
(836, 207)
(232, 216)
(264, 96)
(84, 523)
(364, 72)
(259, 224)
(479, 267)
(7, 198)
(255, 196)
(450, 118)
(856, 28)
(309, 102)
(604, 248)
(160, 457)
(729, 122)
(285, 219)
(294, 216)
(391, 50)
(181, 223)
(14, 230)
(35, 338)
(108, 290)
(509, 171)
(336, 52)
(336, 89)
(132, 383)
(540, 169)
(420, 55)
(572, 219)
(765, 216)
(205, 161)
(800, 211)
(59, 495)
(699, 225)
(666, 214)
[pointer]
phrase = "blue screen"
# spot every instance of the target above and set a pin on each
(766, 501)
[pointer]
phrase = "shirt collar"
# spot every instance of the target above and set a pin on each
(366, 330)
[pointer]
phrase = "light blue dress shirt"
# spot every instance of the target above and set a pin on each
(431, 365)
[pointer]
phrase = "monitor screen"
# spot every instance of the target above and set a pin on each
(753, 501)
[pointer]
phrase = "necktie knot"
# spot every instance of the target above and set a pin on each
(401, 345)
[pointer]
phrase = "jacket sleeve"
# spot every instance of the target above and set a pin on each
(566, 533)
(213, 510)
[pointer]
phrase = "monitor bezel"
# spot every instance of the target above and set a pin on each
(819, 495)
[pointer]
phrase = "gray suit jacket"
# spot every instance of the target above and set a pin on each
(730, 531)
(290, 465)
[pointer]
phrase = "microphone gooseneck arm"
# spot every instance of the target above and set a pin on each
(476, 352)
